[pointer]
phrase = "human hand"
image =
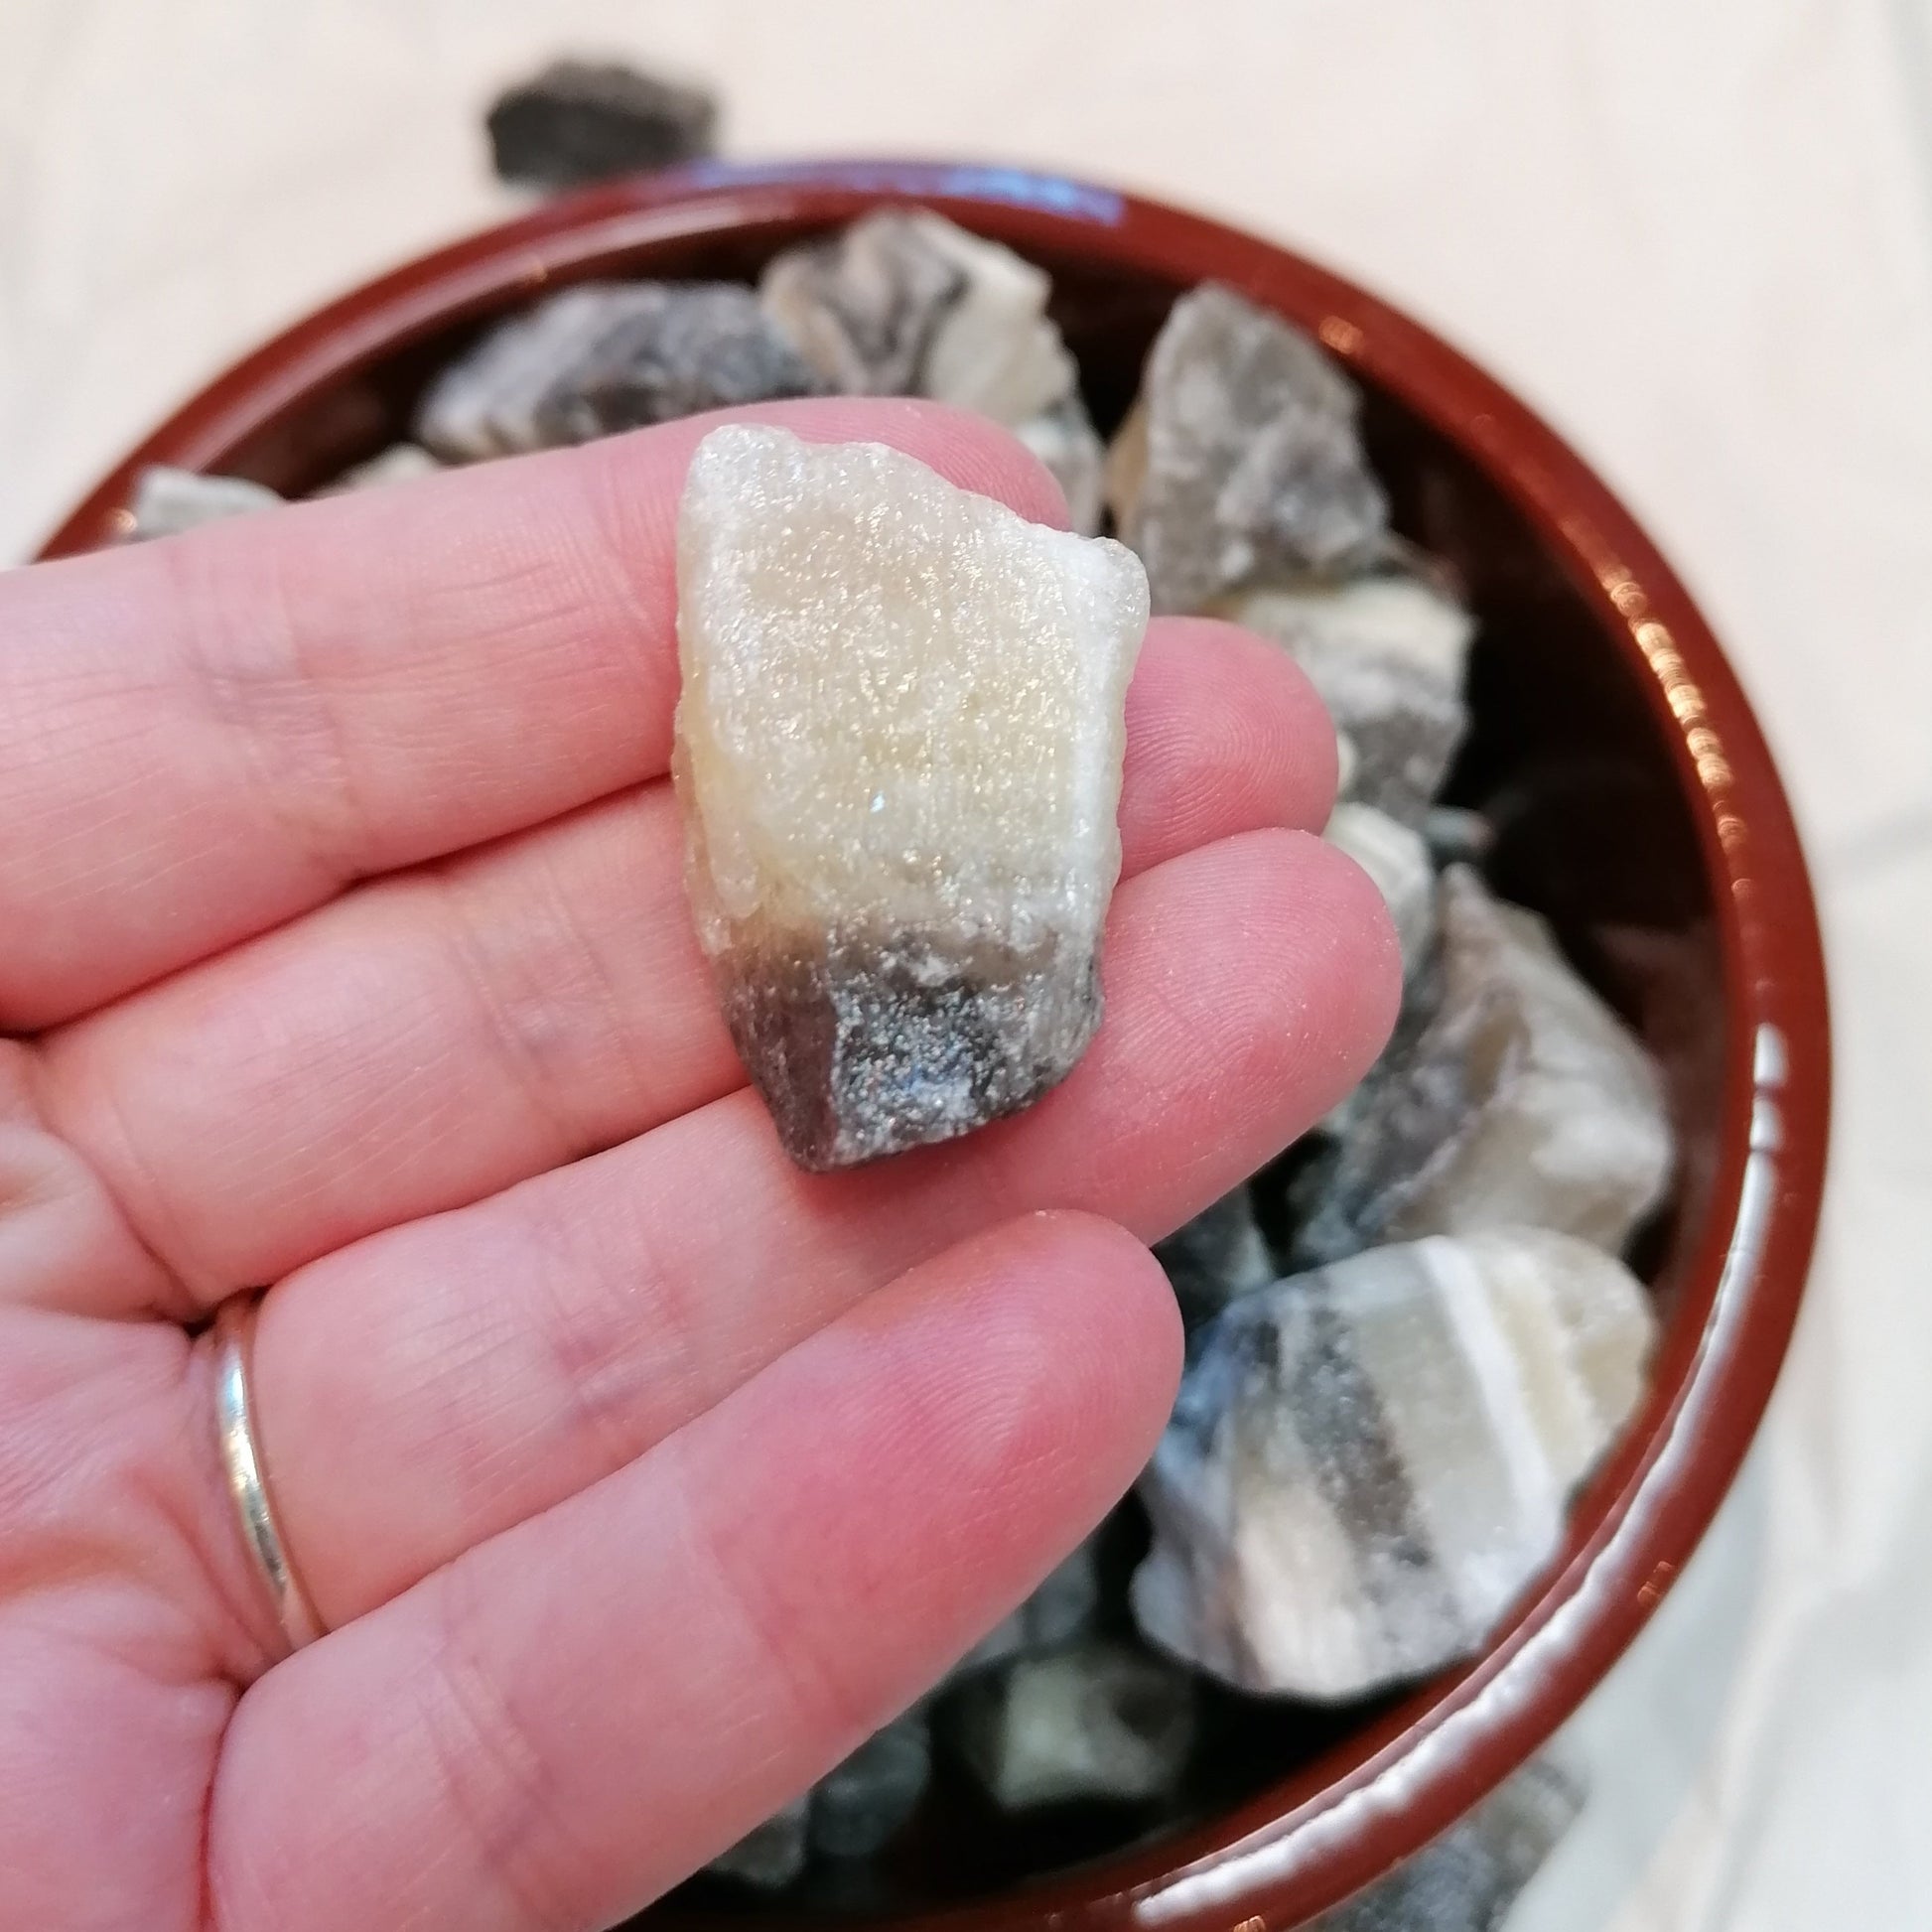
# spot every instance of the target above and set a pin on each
(636, 1475)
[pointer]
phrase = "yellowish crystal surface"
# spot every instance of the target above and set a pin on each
(899, 746)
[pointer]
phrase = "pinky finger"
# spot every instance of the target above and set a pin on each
(576, 1714)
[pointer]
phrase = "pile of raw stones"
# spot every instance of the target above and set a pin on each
(1410, 1342)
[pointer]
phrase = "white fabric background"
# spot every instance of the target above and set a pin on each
(1697, 233)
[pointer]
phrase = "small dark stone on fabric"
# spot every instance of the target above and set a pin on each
(581, 121)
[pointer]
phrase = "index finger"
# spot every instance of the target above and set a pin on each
(201, 737)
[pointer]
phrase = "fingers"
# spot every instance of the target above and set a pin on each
(436, 1384)
(442, 1033)
(574, 1717)
(201, 737)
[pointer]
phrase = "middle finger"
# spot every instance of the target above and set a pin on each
(440, 1034)
(439, 1382)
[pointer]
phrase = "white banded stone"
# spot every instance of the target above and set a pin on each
(904, 303)
(1520, 1097)
(1368, 1463)
(899, 754)
(1241, 462)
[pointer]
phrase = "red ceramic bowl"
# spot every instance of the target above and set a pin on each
(1638, 807)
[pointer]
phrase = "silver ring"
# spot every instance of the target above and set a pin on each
(234, 1329)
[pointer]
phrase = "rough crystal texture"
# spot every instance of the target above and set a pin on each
(581, 121)
(1387, 654)
(1368, 1463)
(1090, 1721)
(1522, 1098)
(1470, 1878)
(1242, 461)
(859, 1806)
(905, 303)
(900, 744)
(606, 357)
(1220, 1254)
(770, 1857)
(1396, 857)
(168, 501)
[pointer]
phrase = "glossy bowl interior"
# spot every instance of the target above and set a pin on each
(1636, 806)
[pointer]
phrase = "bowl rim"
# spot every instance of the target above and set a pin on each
(1310, 1842)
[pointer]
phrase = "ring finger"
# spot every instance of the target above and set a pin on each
(440, 1382)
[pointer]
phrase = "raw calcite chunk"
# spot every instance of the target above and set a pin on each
(1091, 1720)
(899, 745)
(1242, 461)
(1521, 1098)
(1470, 1878)
(1397, 858)
(1367, 1463)
(606, 357)
(1387, 654)
(905, 303)
(168, 501)
(582, 120)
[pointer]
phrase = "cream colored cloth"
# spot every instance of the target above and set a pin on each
(1698, 234)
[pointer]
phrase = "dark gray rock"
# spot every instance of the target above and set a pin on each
(1242, 462)
(581, 121)
(606, 357)
(1520, 1098)
(859, 1807)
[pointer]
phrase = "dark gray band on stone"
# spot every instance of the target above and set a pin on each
(1356, 1465)
(867, 1047)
